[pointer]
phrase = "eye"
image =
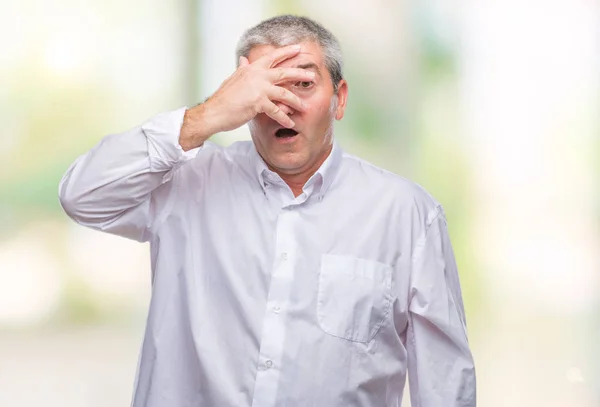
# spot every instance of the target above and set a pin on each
(304, 84)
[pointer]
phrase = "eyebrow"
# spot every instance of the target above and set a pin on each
(310, 65)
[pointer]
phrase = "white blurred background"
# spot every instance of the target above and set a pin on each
(491, 105)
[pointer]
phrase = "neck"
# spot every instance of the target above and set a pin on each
(296, 181)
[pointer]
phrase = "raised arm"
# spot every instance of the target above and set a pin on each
(111, 187)
(123, 184)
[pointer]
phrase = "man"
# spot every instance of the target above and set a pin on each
(285, 272)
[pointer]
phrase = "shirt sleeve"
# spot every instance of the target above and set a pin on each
(440, 365)
(121, 185)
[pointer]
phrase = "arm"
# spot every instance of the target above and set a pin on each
(122, 185)
(111, 187)
(440, 366)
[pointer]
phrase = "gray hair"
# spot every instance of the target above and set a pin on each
(286, 30)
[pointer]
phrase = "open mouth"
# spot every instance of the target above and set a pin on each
(284, 132)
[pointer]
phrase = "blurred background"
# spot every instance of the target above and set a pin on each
(491, 105)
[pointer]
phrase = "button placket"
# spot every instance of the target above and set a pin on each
(274, 324)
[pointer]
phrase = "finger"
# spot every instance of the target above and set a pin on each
(285, 96)
(279, 75)
(275, 113)
(243, 61)
(278, 55)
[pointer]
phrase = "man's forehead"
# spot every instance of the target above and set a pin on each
(310, 53)
(303, 60)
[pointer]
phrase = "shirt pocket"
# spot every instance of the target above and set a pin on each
(354, 296)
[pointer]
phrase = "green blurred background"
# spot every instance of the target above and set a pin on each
(491, 105)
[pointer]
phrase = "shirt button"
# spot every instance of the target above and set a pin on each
(284, 256)
(269, 363)
(276, 309)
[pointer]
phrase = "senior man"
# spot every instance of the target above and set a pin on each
(285, 272)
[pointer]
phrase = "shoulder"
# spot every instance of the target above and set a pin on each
(386, 187)
(212, 156)
(230, 152)
(216, 165)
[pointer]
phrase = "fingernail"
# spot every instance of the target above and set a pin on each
(296, 47)
(311, 74)
(292, 124)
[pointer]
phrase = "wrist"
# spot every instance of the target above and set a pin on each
(198, 125)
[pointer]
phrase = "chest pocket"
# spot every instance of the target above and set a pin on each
(354, 296)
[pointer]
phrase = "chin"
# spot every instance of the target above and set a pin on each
(287, 166)
(288, 163)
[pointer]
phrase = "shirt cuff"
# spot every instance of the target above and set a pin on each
(162, 133)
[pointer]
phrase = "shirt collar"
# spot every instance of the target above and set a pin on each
(323, 177)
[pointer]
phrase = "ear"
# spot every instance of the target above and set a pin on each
(243, 61)
(342, 95)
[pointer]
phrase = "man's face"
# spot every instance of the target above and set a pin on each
(305, 151)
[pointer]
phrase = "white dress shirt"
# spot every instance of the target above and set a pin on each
(263, 299)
